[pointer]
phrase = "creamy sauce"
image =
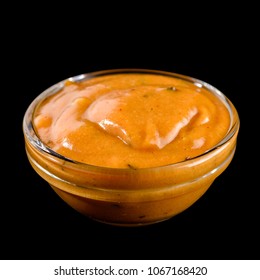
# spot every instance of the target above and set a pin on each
(131, 120)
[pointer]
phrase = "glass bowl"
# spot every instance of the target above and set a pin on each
(128, 196)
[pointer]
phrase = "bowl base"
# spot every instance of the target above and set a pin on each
(129, 224)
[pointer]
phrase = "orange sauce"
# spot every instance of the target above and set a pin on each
(131, 120)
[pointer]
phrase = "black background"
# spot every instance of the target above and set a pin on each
(37, 224)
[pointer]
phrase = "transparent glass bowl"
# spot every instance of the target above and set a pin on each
(128, 197)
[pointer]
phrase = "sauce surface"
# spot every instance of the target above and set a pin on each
(131, 120)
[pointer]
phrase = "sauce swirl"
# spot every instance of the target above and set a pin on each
(131, 120)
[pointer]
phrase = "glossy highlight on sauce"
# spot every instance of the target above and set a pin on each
(131, 120)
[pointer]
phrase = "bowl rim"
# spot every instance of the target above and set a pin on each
(31, 136)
